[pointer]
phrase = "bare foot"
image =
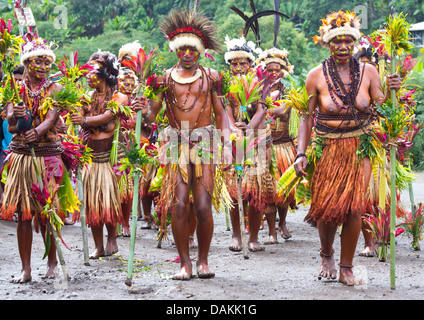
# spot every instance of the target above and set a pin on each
(235, 244)
(255, 247)
(284, 232)
(328, 268)
(51, 272)
(192, 244)
(346, 276)
(183, 274)
(126, 231)
(272, 239)
(369, 251)
(203, 271)
(68, 222)
(97, 254)
(146, 225)
(24, 278)
(111, 246)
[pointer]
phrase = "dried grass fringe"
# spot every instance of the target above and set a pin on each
(102, 198)
(17, 190)
(284, 155)
(338, 184)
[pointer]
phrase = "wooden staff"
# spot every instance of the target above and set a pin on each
(128, 281)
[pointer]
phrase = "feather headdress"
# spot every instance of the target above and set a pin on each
(337, 24)
(35, 48)
(240, 48)
(129, 49)
(277, 56)
(190, 28)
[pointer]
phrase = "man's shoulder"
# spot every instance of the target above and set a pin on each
(214, 74)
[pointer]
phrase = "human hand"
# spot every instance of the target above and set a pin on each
(19, 111)
(62, 128)
(76, 118)
(300, 166)
(30, 136)
(140, 103)
(394, 82)
(242, 125)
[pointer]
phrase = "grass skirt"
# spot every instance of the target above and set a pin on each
(17, 190)
(284, 157)
(258, 185)
(258, 182)
(102, 197)
(338, 184)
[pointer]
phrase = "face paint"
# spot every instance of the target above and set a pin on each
(239, 66)
(39, 67)
(126, 85)
(188, 56)
(341, 48)
(93, 79)
(273, 71)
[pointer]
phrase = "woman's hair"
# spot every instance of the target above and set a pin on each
(108, 66)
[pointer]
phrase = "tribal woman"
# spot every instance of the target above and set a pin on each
(37, 58)
(102, 197)
(344, 92)
(276, 65)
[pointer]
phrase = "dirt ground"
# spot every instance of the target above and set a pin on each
(284, 271)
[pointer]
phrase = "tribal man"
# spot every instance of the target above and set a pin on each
(190, 103)
(277, 66)
(344, 92)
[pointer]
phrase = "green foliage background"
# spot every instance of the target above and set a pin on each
(89, 25)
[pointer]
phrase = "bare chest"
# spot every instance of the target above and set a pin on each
(189, 102)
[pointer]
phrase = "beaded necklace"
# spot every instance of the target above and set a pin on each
(97, 108)
(337, 88)
(171, 103)
(171, 85)
(34, 98)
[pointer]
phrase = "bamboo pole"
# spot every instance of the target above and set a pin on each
(227, 218)
(392, 190)
(241, 216)
(83, 218)
(128, 281)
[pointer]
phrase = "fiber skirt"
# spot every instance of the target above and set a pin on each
(338, 186)
(102, 197)
(284, 156)
(258, 184)
(21, 174)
